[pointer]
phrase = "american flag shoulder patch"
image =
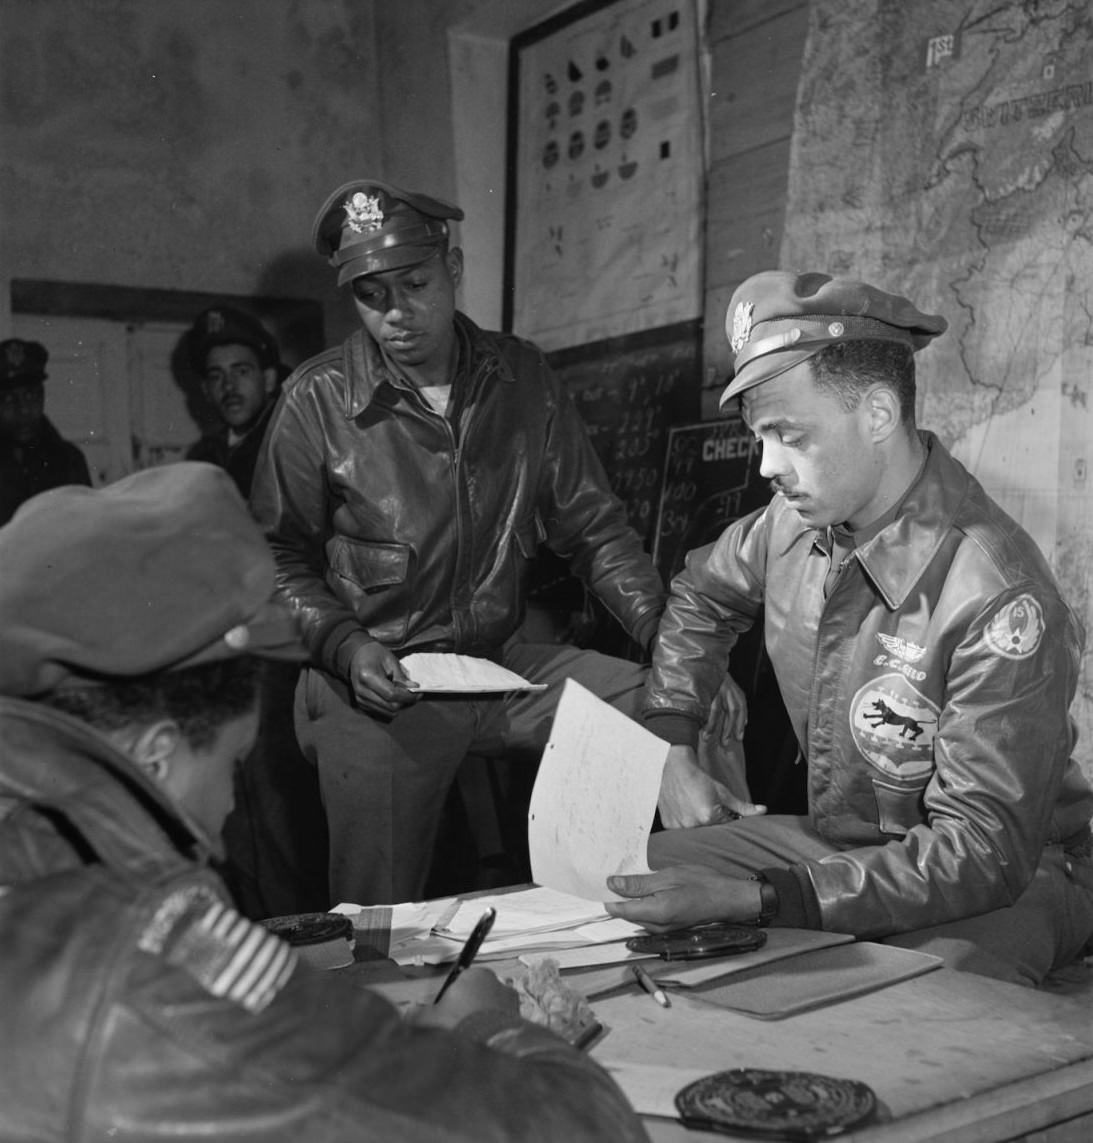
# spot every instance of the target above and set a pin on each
(194, 930)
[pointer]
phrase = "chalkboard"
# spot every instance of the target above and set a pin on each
(629, 391)
(711, 477)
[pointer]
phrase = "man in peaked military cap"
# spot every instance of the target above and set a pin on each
(239, 364)
(925, 655)
(33, 454)
(407, 480)
(137, 1003)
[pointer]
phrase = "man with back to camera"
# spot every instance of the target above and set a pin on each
(137, 1004)
(407, 480)
(33, 454)
(925, 655)
(239, 364)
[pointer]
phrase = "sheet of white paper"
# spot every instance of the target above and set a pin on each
(594, 798)
(533, 910)
(441, 673)
(408, 922)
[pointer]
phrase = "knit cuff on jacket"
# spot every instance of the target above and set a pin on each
(341, 645)
(674, 727)
(645, 630)
(798, 905)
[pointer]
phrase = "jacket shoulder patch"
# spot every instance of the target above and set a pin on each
(229, 956)
(1017, 629)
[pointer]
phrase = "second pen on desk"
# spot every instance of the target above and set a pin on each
(649, 985)
(470, 950)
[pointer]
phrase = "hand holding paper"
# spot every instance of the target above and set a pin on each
(595, 796)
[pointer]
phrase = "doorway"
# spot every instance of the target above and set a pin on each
(120, 383)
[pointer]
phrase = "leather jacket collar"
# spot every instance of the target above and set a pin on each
(896, 558)
(50, 760)
(366, 372)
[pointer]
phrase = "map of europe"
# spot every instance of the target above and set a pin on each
(943, 149)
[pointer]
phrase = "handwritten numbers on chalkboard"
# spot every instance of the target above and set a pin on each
(629, 391)
(711, 477)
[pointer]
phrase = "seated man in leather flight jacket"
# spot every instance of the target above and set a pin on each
(925, 654)
(137, 1004)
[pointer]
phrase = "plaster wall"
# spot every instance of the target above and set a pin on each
(182, 146)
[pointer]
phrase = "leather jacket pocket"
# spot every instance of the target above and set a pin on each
(373, 578)
(899, 807)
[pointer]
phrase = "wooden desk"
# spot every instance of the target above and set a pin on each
(951, 1056)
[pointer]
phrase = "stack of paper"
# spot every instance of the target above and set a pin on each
(528, 920)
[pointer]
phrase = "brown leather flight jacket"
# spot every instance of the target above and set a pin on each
(138, 1006)
(390, 522)
(929, 693)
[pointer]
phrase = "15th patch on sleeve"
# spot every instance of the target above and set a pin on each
(228, 955)
(1017, 630)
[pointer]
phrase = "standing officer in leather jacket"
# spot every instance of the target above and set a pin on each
(407, 480)
(925, 655)
(137, 1004)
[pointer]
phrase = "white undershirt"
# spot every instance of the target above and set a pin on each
(438, 396)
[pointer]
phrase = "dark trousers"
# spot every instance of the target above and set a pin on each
(384, 781)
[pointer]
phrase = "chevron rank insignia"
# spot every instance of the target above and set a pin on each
(229, 956)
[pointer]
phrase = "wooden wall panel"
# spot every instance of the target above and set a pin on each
(756, 50)
(754, 83)
(732, 17)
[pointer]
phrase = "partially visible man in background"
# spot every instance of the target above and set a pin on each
(240, 366)
(33, 454)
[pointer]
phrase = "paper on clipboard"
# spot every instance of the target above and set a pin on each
(594, 798)
(443, 673)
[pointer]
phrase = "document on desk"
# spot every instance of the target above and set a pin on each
(594, 798)
(529, 920)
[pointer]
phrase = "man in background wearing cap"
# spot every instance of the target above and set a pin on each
(137, 1004)
(925, 655)
(240, 367)
(407, 481)
(33, 455)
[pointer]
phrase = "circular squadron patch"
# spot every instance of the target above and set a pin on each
(1015, 632)
(894, 726)
(776, 1104)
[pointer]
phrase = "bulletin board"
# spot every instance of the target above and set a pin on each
(604, 202)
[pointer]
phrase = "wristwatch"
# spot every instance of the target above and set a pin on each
(768, 901)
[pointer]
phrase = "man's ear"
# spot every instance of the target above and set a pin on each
(881, 407)
(153, 748)
(454, 260)
(269, 376)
